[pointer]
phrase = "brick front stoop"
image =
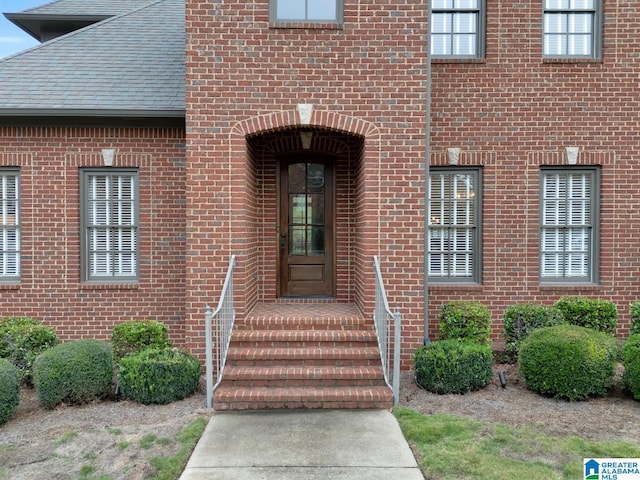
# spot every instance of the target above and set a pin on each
(288, 356)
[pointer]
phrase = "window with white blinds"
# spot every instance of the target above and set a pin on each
(10, 252)
(454, 220)
(457, 28)
(110, 215)
(571, 28)
(568, 226)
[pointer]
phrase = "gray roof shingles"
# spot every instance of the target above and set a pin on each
(84, 7)
(129, 65)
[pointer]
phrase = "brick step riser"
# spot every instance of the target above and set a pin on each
(303, 344)
(305, 325)
(311, 383)
(292, 405)
(333, 397)
(305, 362)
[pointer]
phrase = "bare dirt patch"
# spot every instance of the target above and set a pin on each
(101, 440)
(614, 417)
(117, 440)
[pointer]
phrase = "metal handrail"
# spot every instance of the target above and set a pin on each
(384, 319)
(226, 315)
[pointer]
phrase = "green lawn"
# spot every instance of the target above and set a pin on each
(452, 447)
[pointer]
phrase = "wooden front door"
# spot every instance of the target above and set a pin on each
(306, 229)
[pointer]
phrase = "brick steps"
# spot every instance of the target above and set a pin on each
(303, 357)
(303, 338)
(258, 398)
(300, 376)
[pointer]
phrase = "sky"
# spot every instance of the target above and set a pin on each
(12, 38)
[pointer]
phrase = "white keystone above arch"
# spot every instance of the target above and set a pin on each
(305, 110)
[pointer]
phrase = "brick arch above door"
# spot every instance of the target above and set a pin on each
(316, 118)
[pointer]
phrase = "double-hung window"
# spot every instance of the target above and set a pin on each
(454, 225)
(569, 225)
(10, 225)
(306, 11)
(457, 28)
(109, 225)
(572, 28)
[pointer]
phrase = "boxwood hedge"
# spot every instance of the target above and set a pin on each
(568, 361)
(159, 376)
(75, 372)
(453, 366)
(9, 390)
(631, 361)
(21, 340)
(464, 320)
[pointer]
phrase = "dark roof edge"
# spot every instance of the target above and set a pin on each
(58, 16)
(92, 121)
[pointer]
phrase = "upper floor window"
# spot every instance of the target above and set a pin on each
(306, 10)
(109, 210)
(10, 225)
(569, 225)
(572, 28)
(454, 225)
(457, 28)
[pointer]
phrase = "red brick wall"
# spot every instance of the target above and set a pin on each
(510, 113)
(245, 79)
(50, 289)
(513, 113)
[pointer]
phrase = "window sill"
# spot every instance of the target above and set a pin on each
(436, 60)
(571, 60)
(570, 286)
(455, 285)
(109, 286)
(283, 24)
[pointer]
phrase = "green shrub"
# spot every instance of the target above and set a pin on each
(521, 319)
(136, 335)
(598, 314)
(568, 361)
(631, 361)
(634, 309)
(21, 340)
(469, 321)
(76, 372)
(9, 390)
(453, 366)
(159, 375)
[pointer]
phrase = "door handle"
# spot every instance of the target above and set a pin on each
(283, 243)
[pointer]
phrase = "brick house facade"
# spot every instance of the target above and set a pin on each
(350, 94)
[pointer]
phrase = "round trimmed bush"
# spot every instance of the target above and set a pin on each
(75, 372)
(9, 390)
(468, 321)
(137, 335)
(521, 319)
(568, 361)
(594, 313)
(22, 339)
(453, 366)
(159, 376)
(631, 361)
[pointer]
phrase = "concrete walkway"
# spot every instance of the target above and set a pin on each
(302, 445)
